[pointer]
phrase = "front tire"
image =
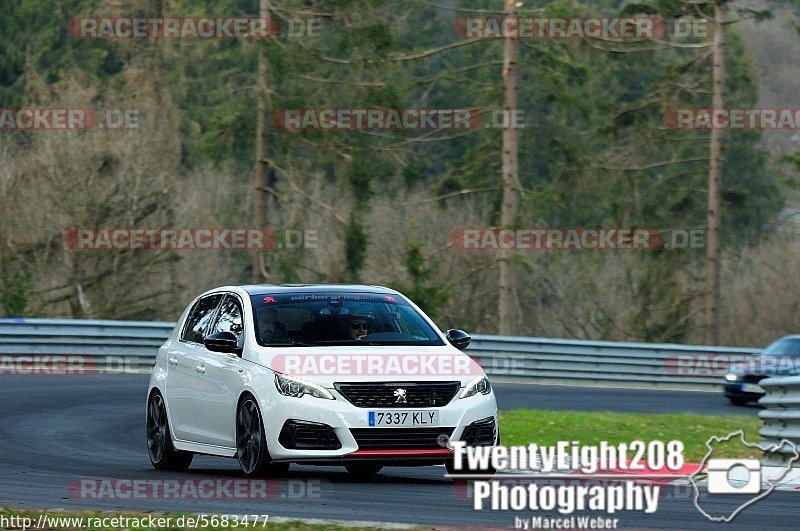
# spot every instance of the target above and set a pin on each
(251, 443)
(162, 452)
(738, 401)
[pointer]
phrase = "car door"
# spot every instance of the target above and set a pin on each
(221, 379)
(182, 373)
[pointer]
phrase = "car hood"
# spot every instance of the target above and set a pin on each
(340, 364)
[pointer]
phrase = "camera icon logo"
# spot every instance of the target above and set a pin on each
(734, 476)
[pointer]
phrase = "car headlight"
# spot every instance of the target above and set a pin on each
(289, 386)
(731, 377)
(478, 385)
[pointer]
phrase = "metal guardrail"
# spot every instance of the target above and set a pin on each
(781, 418)
(598, 362)
(103, 345)
(523, 358)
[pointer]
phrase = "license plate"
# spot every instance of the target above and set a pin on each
(403, 419)
(751, 388)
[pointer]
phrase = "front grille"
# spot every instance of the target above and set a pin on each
(382, 395)
(401, 438)
(303, 435)
(480, 433)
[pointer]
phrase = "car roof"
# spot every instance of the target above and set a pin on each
(264, 289)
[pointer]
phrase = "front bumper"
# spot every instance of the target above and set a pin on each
(734, 390)
(342, 416)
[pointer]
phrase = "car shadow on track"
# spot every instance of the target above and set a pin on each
(405, 475)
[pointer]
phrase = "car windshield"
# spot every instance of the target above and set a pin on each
(789, 346)
(358, 319)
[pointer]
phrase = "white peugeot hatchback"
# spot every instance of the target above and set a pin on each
(344, 375)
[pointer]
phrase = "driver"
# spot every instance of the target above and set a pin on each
(357, 327)
(269, 328)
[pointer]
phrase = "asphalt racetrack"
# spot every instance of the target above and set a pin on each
(57, 430)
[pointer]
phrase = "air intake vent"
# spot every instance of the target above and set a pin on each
(303, 435)
(480, 433)
(401, 438)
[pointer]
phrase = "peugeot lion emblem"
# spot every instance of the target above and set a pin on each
(401, 396)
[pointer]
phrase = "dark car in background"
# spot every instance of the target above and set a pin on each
(781, 358)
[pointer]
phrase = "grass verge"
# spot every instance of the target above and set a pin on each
(522, 427)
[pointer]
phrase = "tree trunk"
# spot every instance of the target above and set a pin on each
(714, 196)
(260, 184)
(510, 179)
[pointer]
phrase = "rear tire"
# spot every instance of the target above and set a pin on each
(251, 443)
(363, 470)
(162, 452)
(738, 401)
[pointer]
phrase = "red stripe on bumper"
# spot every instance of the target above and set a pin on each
(433, 452)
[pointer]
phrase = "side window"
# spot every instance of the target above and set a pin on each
(229, 318)
(199, 319)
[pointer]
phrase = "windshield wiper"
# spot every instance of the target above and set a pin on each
(288, 344)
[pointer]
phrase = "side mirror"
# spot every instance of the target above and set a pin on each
(222, 342)
(458, 338)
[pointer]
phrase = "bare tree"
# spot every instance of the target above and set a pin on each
(510, 168)
(260, 185)
(714, 196)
